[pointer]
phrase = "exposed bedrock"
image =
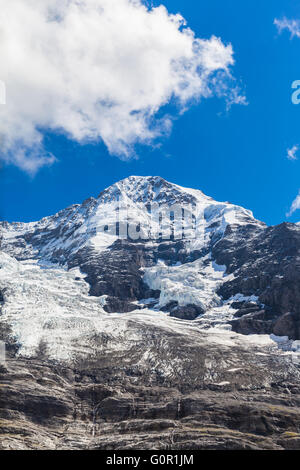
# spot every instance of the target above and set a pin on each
(189, 392)
(265, 264)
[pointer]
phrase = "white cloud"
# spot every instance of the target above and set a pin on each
(293, 26)
(292, 153)
(295, 206)
(99, 69)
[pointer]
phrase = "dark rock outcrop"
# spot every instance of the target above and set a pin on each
(265, 263)
(287, 324)
(188, 312)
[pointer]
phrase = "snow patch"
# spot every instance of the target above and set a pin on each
(192, 283)
(243, 298)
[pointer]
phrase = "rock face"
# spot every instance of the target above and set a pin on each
(192, 390)
(266, 264)
(150, 340)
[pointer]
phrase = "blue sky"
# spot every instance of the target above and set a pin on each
(237, 155)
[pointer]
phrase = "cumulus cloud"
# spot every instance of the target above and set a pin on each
(295, 206)
(100, 70)
(293, 26)
(292, 153)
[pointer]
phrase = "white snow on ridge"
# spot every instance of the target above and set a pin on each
(83, 225)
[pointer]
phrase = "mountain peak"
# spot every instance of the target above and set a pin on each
(134, 182)
(148, 189)
(60, 236)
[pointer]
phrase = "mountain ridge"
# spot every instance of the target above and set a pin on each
(134, 188)
(150, 343)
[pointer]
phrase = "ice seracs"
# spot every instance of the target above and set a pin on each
(192, 283)
(50, 312)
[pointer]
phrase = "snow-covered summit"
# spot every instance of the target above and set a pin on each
(145, 189)
(57, 237)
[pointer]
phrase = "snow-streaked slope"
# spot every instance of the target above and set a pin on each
(58, 237)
